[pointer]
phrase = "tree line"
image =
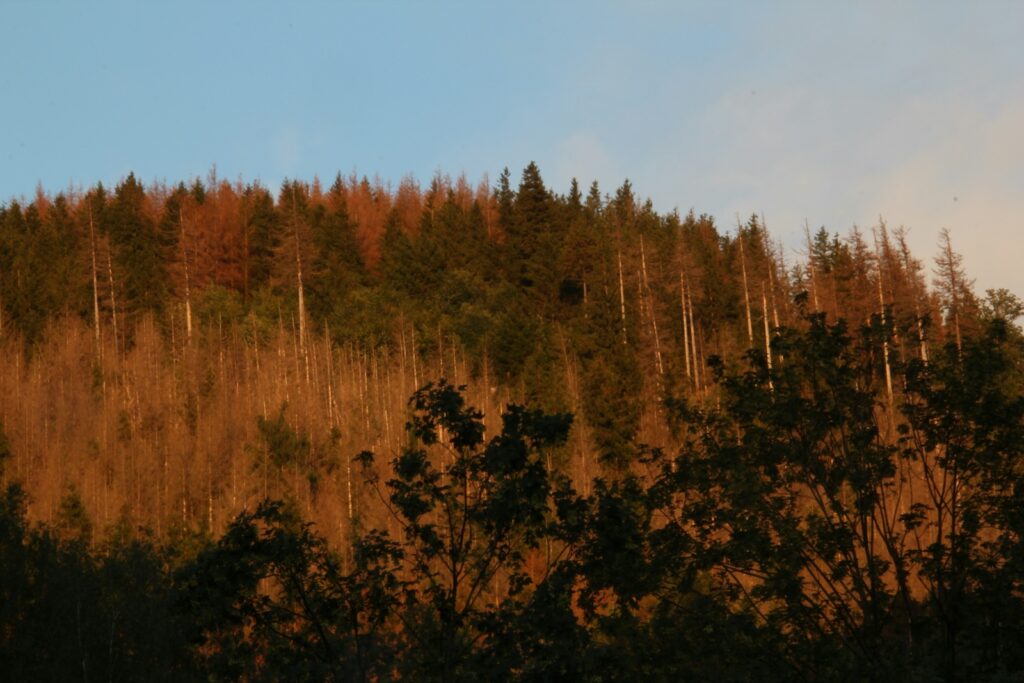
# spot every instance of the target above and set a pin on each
(677, 437)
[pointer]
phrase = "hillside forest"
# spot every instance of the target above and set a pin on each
(468, 432)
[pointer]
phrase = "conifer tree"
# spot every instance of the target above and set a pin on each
(337, 268)
(533, 238)
(175, 242)
(138, 249)
(39, 273)
(396, 257)
(953, 286)
(611, 382)
(505, 199)
(262, 238)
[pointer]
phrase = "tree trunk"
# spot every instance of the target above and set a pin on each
(810, 266)
(95, 289)
(885, 340)
(622, 296)
(650, 306)
(746, 293)
(693, 342)
(767, 336)
(686, 327)
(113, 302)
(188, 292)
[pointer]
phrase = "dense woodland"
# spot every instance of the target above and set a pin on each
(494, 432)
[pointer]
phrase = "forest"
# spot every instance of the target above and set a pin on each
(494, 432)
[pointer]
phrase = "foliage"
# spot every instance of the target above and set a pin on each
(842, 501)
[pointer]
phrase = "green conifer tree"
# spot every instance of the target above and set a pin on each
(138, 249)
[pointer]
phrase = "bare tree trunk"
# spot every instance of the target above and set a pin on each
(702, 384)
(746, 293)
(838, 312)
(922, 344)
(780, 267)
(113, 303)
(95, 289)
(885, 339)
(622, 296)
(245, 254)
(911, 271)
(686, 327)
(954, 287)
(385, 403)
(440, 351)
(810, 266)
(693, 342)
(256, 354)
(771, 295)
(415, 365)
(188, 292)
(298, 275)
(650, 306)
(302, 306)
(330, 375)
(775, 310)
(401, 340)
(767, 336)
(209, 493)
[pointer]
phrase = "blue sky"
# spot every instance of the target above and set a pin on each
(835, 113)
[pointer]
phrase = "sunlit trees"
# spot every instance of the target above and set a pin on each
(40, 274)
(163, 320)
(141, 271)
(953, 286)
(261, 238)
(337, 267)
(533, 237)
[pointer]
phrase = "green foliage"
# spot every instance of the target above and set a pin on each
(1002, 304)
(514, 337)
(281, 449)
(357, 318)
(218, 306)
(397, 258)
(965, 428)
(68, 613)
(809, 527)
(337, 266)
(791, 482)
(772, 547)
(611, 383)
(262, 236)
(139, 249)
(792, 500)
(270, 602)
(39, 269)
(534, 237)
(73, 524)
(470, 513)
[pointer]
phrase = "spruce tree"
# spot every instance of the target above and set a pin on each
(138, 249)
(954, 287)
(263, 235)
(337, 267)
(534, 239)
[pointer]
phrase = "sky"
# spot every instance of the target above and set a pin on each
(833, 114)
